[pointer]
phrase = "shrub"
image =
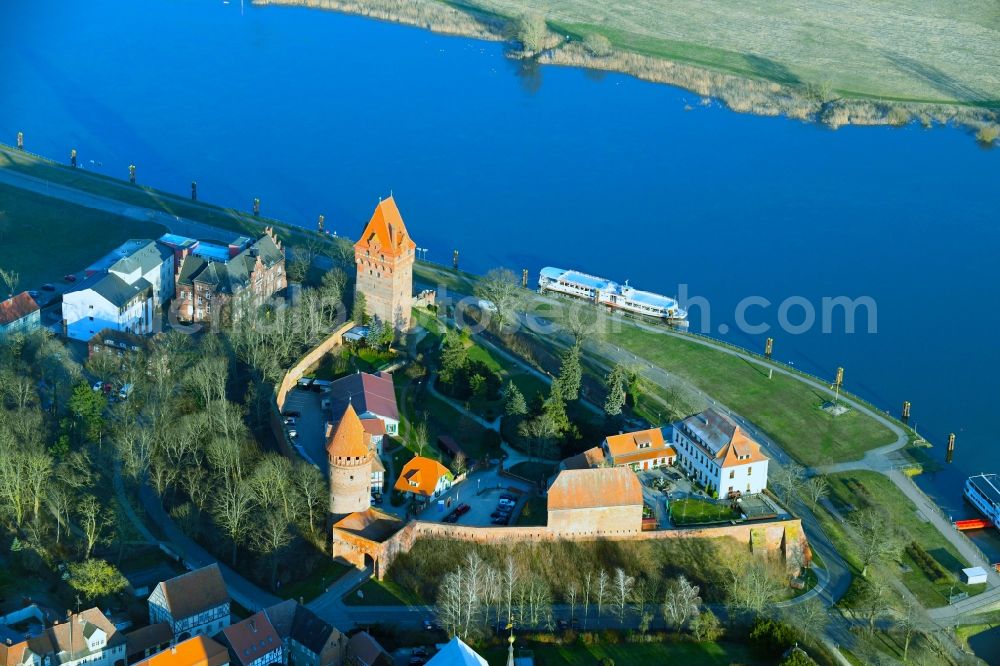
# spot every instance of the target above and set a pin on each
(597, 45)
(530, 30)
(771, 639)
(988, 134)
(926, 562)
(898, 116)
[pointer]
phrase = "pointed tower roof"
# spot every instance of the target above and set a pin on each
(349, 438)
(386, 232)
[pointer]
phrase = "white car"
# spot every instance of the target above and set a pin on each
(293, 433)
(97, 386)
(289, 420)
(506, 502)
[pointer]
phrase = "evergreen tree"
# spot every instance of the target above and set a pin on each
(358, 312)
(373, 338)
(453, 356)
(616, 381)
(554, 409)
(514, 402)
(571, 373)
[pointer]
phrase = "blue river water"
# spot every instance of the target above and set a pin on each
(322, 113)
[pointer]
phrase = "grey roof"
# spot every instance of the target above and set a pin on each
(114, 289)
(145, 255)
(713, 428)
(230, 276)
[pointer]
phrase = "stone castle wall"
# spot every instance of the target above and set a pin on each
(781, 536)
(388, 288)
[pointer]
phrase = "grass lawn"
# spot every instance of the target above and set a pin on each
(121, 190)
(696, 511)
(853, 488)
(784, 407)
(44, 239)
(897, 49)
(534, 513)
(689, 654)
(385, 593)
(320, 578)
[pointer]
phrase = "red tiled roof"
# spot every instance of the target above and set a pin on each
(594, 488)
(420, 476)
(367, 392)
(385, 233)
(195, 592)
(17, 307)
(197, 651)
(349, 440)
(252, 638)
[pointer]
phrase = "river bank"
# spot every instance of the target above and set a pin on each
(759, 96)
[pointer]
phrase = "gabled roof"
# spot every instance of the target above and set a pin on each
(630, 442)
(457, 653)
(724, 440)
(420, 476)
(145, 638)
(291, 619)
(374, 394)
(593, 488)
(17, 307)
(590, 458)
(252, 638)
(195, 592)
(349, 439)
(197, 651)
(373, 426)
(140, 254)
(385, 232)
(113, 289)
(367, 650)
(69, 637)
(233, 274)
(370, 524)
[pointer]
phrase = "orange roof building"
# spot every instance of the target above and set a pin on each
(719, 454)
(349, 453)
(19, 314)
(424, 478)
(384, 257)
(645, 449)
(197, 651)
(604, 501)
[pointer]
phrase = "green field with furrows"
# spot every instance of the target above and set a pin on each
(915, 50)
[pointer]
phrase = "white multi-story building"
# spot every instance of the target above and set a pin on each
(714, 451)
(87, 638)
(193, 604)
(124, 291)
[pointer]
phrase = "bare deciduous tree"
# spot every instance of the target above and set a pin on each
(503, 289)
(624, 585)
(680, 602)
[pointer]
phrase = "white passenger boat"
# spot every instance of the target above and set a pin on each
(611, 294)
(983, 491)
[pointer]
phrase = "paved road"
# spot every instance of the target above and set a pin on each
(244, 592)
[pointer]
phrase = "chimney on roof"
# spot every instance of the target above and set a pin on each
(173, 649)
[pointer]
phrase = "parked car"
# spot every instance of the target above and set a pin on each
(419, 652)
(69, 277)
(462, 509)
(293, 433)
(500, 520)
(289, 420)
(97, 386)
(48, 287)
(431, 625)
(509, 498)
(125, 391)
(306, 382)
(506, 502)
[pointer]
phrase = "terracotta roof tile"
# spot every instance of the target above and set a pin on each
(252, 638)
(349, 440)
(593, 488)
(197, 651)
(385, 233)
(17, 307)
(420, 476)
(195, 592)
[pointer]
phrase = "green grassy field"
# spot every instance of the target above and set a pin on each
(320, 578)
(381, 593)
(696, 511)
(690, 654)
(44, 239)
(857, 490)
(784, 407)
(916, 50)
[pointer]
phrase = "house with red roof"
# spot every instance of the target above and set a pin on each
(717, 453)
(19, 314)
(373, 397)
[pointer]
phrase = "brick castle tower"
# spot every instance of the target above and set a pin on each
(350, 465)
(384, 257)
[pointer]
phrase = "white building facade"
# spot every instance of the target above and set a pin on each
(193, 604)
(716, 453)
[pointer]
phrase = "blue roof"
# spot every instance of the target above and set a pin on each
(211, 251)
(655, 300)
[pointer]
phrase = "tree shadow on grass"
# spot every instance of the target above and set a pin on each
(938, 80)
(772, 70)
